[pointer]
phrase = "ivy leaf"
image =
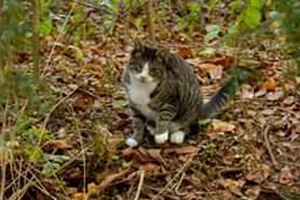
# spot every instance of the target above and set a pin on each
(46, 27)
(252, 17)
(212, 32)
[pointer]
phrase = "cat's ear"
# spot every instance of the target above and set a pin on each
(138, 46)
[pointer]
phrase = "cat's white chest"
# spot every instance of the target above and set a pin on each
(139, 94)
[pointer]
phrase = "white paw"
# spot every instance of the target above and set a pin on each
(177, 137)
(161, 138)
(131, 142)
(150, 129)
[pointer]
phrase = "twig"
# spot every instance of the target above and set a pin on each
(268, 146)
(151, 25)
(177, 185)
(138, 192)
(83, 159)
(181, 170)
(49, 59)
(54, 107)
(2, 158)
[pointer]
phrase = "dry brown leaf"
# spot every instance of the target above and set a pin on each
(185, 52)
(289, 100)
(138, 155)
(187, 150)
(78, 196)
(259, 175)
(215, 71)
(58, 144)
(108, 180)
(226, 61)
(269, 85)
(253, 192)
(93, 189)
(155, 154)
(274, 96)
(269, 186)
(260, 93)
(232, 185)
(225, 195)
(150, 168)
(286, 176)
(247, 92)
(220, 126)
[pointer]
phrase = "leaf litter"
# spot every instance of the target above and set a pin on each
(210, 165)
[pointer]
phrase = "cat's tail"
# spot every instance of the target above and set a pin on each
(225, 94)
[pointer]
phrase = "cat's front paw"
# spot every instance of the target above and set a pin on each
(177, 137)
(131, 142)
(161, 138)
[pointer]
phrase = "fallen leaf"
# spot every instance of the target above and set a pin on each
(286, 176)
(232, 185)
(225, 61)
(108, 180)
(253, 192)
(260, 93)
(185, 52)
(274, 96)
(214, 71)
(78, 196)
(247, 92)
(225, 195)
(150, 168)
(184, 150)
(93, 190)
(133, 154)
(289, 100)
(57, 144)
(259, 175)
(269, 85)
(220, 126)
(268, 112)
(269, 186)
(155, 154)
(194, 61)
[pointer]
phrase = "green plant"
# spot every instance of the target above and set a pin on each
(287, 13)
(248, 20)
(211, 149)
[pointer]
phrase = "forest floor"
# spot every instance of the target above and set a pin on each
(250, 151)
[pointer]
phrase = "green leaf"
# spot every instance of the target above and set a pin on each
(46, 27)
(212, 32)
(213, 3)
(256, 3)
(193, 7)
(275, 15)
(252, 17)
(119, 104)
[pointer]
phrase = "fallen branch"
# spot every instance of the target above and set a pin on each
(181, 170)
(142, 176)
(269, 149)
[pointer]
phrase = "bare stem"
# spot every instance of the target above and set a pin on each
(35, 38)
(151, 26)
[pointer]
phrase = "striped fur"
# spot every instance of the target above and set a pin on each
(163, 92)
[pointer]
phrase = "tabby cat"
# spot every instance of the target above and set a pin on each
(164, 95)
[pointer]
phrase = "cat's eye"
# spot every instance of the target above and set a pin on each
(155, 72)
(136, 68)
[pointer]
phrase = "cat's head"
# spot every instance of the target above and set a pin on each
(148, 64)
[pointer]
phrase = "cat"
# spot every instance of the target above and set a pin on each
(164, 96)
